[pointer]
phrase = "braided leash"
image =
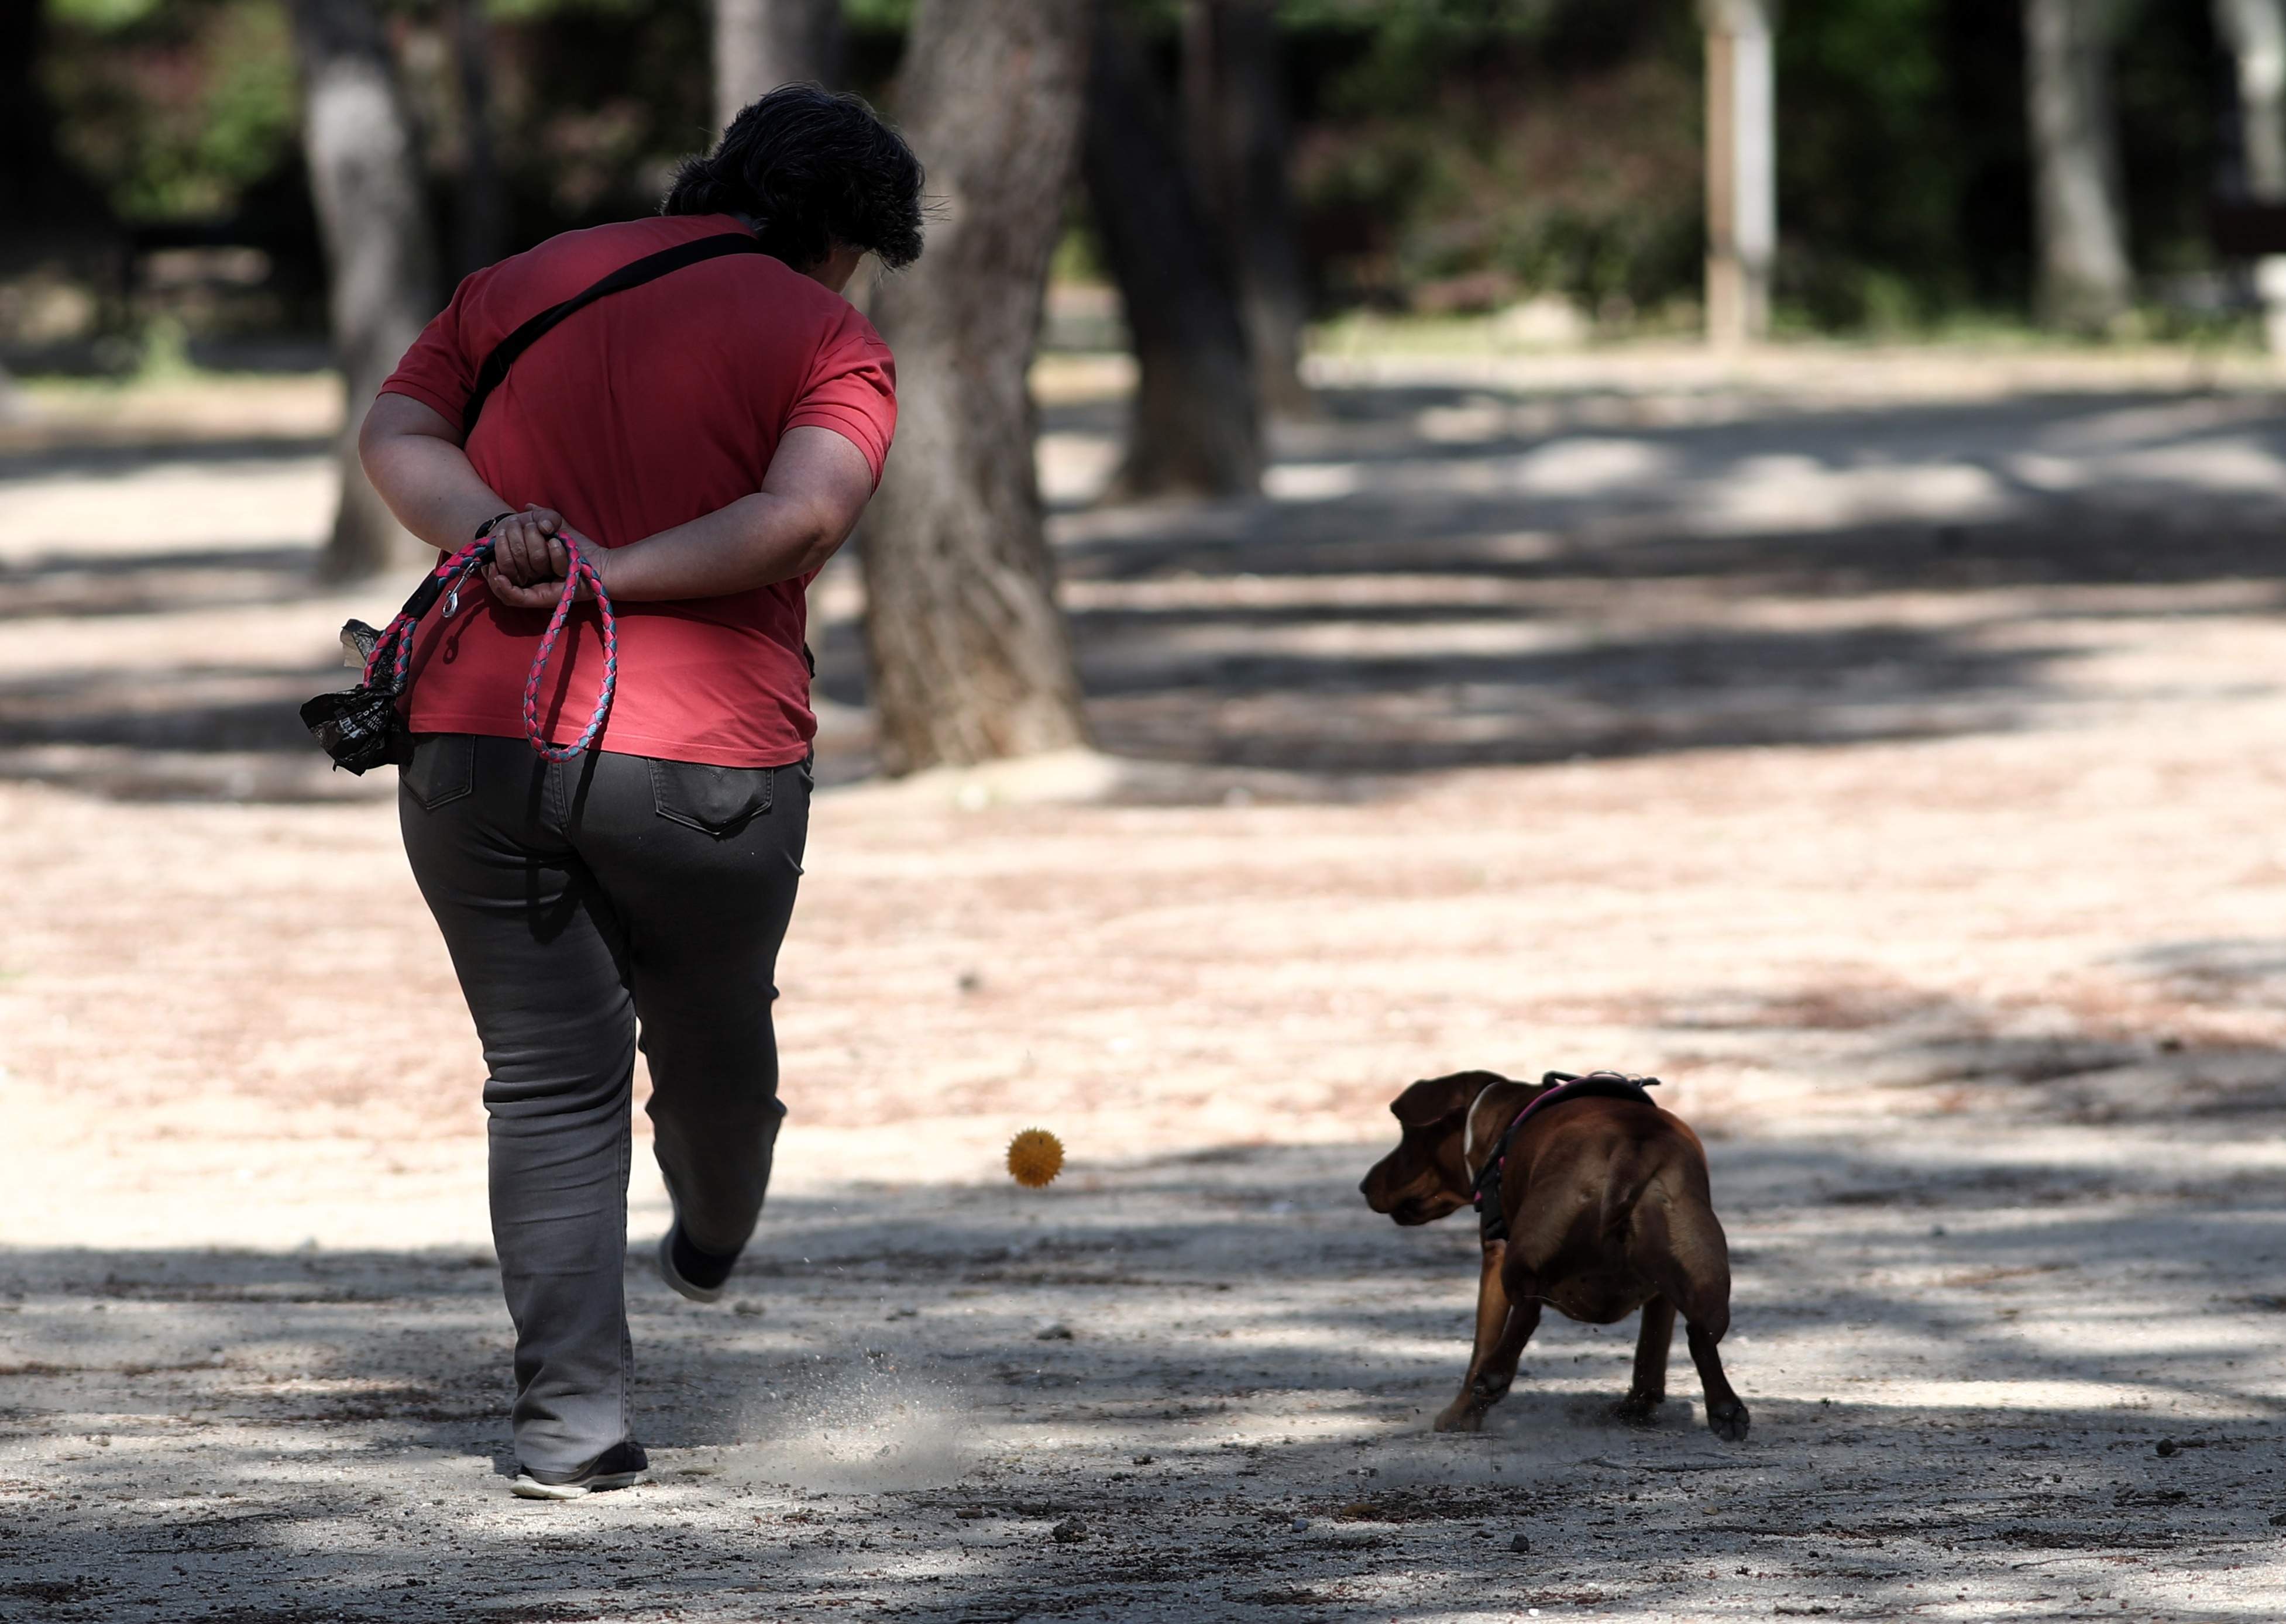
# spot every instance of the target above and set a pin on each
(581, 568)
(393, 648)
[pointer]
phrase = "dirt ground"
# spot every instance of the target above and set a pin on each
(1884, 750)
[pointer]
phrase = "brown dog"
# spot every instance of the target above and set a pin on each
(1606, 1210)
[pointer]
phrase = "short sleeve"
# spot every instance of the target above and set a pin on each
(852, 389)
(438, 371)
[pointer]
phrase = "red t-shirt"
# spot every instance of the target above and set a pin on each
(640, 412)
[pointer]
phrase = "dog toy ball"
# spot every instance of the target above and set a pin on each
(1035, 1157)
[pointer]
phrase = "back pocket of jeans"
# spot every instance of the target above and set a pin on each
(716, 801)
(442, 770)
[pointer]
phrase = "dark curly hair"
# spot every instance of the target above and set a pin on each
(812, 169)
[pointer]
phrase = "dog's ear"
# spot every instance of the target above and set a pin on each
(1432, 1100)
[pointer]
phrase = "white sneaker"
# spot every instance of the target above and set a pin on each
(621, 1466)
(673, 1276)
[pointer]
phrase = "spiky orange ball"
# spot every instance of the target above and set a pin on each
(1035, 1157)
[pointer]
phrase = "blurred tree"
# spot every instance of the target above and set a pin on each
(2084, 280)
(2256, 31)
(1452, 154)
(1886, 228)
(1196, 429)
(1234, 103)
(482, 211)
(40, 195)
(382, 263)
(39, 190)
(971, 657)
(178, 111)
(762, 44)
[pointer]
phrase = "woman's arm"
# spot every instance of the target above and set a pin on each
(414, 457)
(816, 486)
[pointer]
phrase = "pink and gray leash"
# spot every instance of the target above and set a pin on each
(393, 648)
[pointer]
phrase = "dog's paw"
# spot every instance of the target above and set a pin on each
(1728, 1422)
(1637, 1410)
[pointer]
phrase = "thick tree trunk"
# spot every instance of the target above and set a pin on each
(483, 223)
(382, 261)
(2255, 32)
(32, 182)
(762, 44)
(46, 207)
(2085, 278)
(1235, 105)
(971, 657)
(1195, 429)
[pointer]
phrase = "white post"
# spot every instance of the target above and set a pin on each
(1742, 189)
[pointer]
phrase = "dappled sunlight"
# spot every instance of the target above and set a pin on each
(907, 1393)
(1747, 806)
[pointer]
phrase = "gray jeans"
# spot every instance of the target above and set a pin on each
(579, 898)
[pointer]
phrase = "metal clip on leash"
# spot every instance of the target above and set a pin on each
(393, 648)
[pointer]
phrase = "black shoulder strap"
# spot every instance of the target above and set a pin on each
(649, 268)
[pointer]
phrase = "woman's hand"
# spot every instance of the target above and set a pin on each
(532, 554)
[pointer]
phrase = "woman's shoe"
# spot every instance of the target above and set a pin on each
(621, 1466)
(701, 1276)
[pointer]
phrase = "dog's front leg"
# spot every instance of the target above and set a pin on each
(1495, 1330)
(1463, 1415)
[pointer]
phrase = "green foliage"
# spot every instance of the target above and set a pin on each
(101, 16)
(182, 108)
(1905, 173)
(1449, 154)
(878, 16)
(1863, 191)
(2170, 133)
(1459, 152)
(542, 11)
(1409, 46)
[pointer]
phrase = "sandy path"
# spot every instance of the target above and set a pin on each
(1962, 1367)
(1926, 846)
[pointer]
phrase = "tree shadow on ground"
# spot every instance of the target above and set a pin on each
(1453, 577)
(1601, 583)
(104, 585)
(1212, 1372)
(97, 462)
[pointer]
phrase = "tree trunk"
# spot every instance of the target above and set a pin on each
(382, 262)
(32, 181)
(483, 223)
(1196, 429)
(2084, 280)
(762, 44)
(971, 657)
(46, 207)
(2255, 32)
(1235, 105)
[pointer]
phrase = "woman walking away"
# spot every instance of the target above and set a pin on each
(700, 428)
